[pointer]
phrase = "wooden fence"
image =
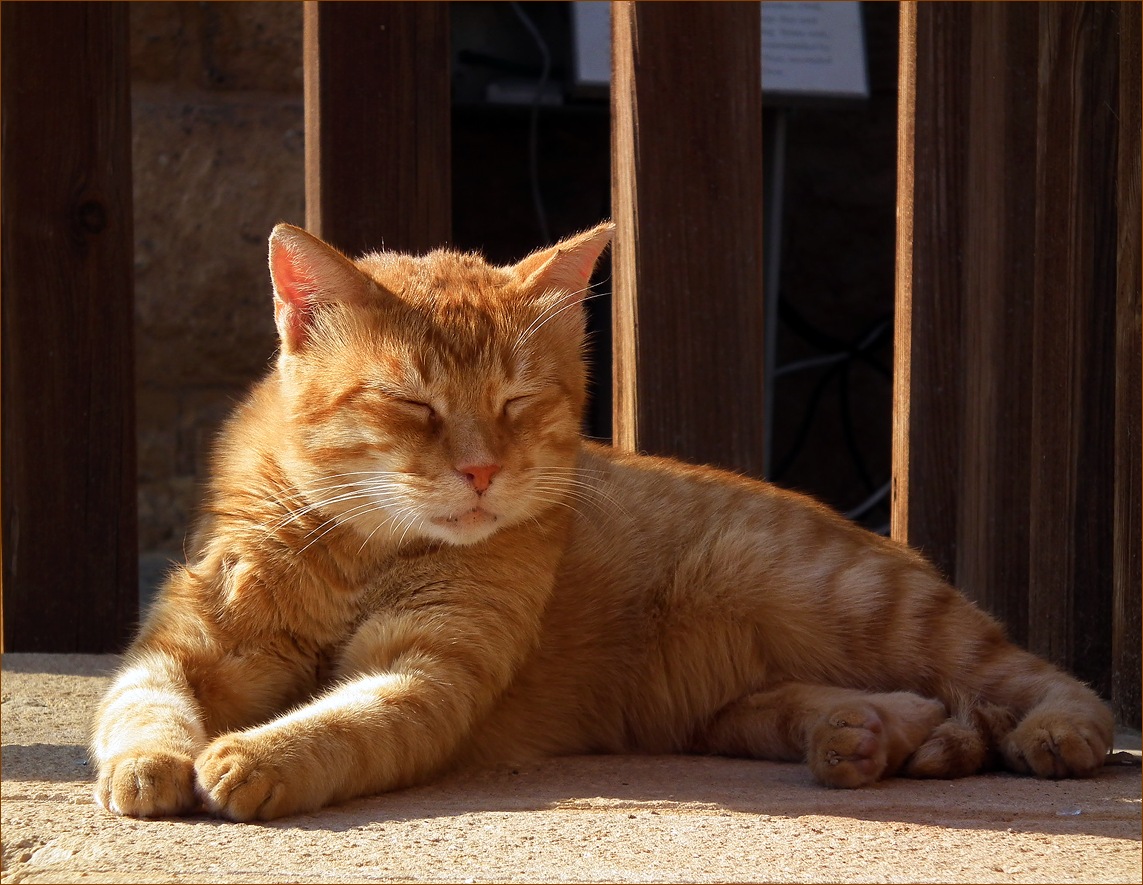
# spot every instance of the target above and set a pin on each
(1017, 377)
(1017, 412)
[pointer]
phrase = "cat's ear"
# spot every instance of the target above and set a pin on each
(307, 274)
(566, 267)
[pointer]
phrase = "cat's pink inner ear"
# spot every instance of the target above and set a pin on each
(296, 258)
(292, 284)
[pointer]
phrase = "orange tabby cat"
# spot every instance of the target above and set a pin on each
(409, 560)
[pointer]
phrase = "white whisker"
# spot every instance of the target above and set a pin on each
(321, 504)
(572, 301)
(353, 493)
(565, 482)
(582, 491)
(411, 522)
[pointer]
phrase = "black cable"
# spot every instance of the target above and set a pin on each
(846, 355)
(848, 432)
(809, 333)
(807, 420)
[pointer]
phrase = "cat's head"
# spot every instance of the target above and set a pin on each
(436, 396)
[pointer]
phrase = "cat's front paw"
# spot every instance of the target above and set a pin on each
(1055, 744)
(848, 748)
(156, 784)
(243, 778)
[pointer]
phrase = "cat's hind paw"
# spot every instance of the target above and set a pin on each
(1053, 744)
(158, 784)
(871, 737)
(847, 749)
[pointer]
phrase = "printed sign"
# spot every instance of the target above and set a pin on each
(808, 49)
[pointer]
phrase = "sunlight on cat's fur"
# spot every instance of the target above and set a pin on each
(408, 560)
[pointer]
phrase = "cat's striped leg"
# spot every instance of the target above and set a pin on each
(1058, 743)
(146, 736)
(1026, 713)
(346, 743)
(849, 738)
(410, 687)
(163, 707)
(1066, 730)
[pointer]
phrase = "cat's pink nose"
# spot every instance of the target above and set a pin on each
(479, 476)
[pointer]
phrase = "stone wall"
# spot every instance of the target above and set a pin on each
(218, 160)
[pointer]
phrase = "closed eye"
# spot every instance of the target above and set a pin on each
(415, 407)
(514, 406)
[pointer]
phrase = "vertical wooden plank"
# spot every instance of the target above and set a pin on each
(624, 206)
(927, 372)
(378, 112)
(1073, 385)
(996, 357)
(687, 199)
(1005, 411)
(1127, 624)
(69, 537)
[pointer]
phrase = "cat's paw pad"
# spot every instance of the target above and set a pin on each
(847, 748)
(238, 780)
(1056, 745)
(157, 784)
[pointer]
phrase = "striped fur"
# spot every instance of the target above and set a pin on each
(408, 560)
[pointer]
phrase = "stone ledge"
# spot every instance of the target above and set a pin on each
(580, 819)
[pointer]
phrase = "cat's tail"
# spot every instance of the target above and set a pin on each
(969, 741)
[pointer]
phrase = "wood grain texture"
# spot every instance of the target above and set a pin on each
(378, 112)
(1006, 409)
(900, 497)
(928, 372)
(1127, 625)
(996, 348)
(70, 557)
(687, 200)
(1072, 383)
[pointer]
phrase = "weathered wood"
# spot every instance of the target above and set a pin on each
(378, 150)
(1072, 382)
(687, 200)
(69, 537)
(1006, 378)
(1127, 625)
(997, 257)
(927, 369)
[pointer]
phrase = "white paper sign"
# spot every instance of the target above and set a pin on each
(808, 49)
(813, 49)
